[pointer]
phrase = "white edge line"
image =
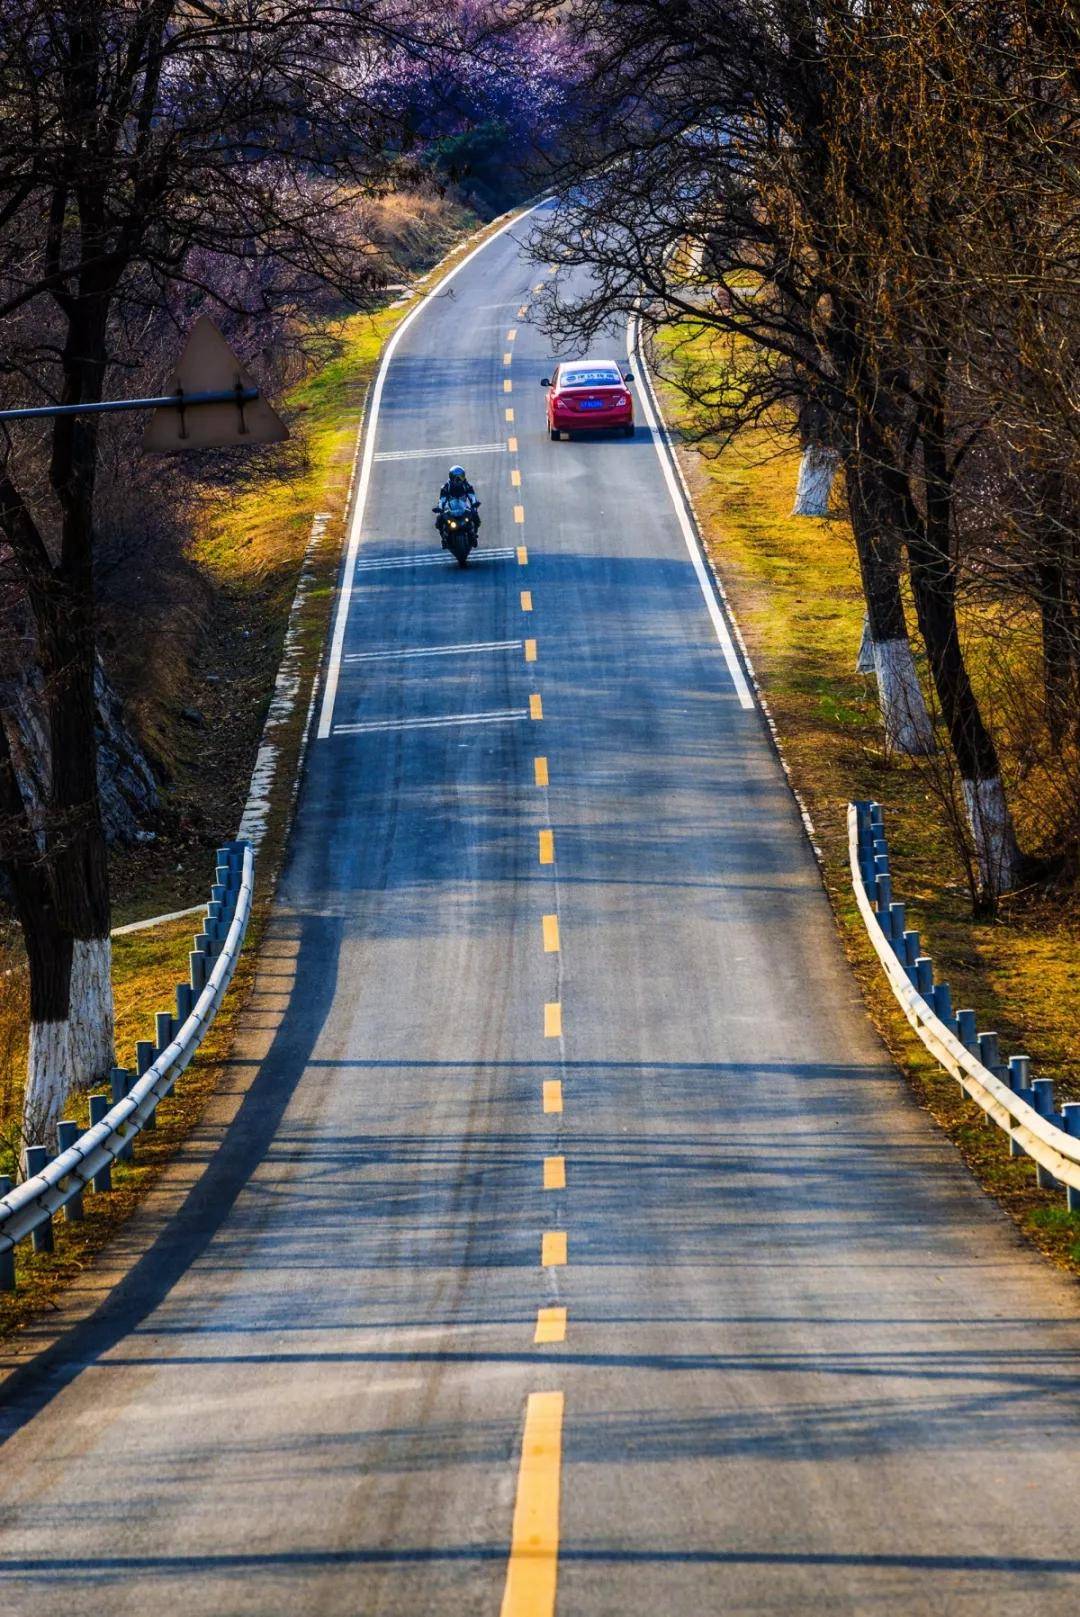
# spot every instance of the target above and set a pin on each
(661, 442)
(368, 428)
(800, 802)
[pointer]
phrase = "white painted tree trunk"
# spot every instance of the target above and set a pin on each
(996, 852)
(67, 1055)
(864, 662)
(817, 469)
(903, 706)
(92, 1019)
(48, 1081)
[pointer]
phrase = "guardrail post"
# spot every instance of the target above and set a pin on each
(989, 1054)
(35, 1158)
(185, 1002)
(7, 1257)
(943, 1006)
(1070, 1116)
(924, 977)
(67, 1133)
(197, 968)
(883, 887)
(121, 1083)
(967, 1030)
(1020, 1083)
(1019, 1073)
(99, 1106)
(145, 1056)
(1042, 1098)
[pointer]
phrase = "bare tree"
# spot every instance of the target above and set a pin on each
(848, 168)
(135, 137)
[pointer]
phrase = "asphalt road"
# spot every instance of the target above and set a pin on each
(804, 1366)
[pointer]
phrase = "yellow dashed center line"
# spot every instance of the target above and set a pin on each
(530, 651)
(551, 934)
(511, 444)
(536, 707)
(550, 1325)
(515, 478)
(553, 1249)
(519, 513)
(552, 1094)
(508, 386)
(540, 771)
(509, 413)
(546, 840)
(526, 600)
(523, 556)
(522, 310)
(554, 1173)
(533, 1567)
(552, 1019)
(507, 358)
(539, 287)
(511, 334)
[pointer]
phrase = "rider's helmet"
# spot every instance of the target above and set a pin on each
(456, 477)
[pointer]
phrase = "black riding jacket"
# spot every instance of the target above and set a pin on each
(448, 493)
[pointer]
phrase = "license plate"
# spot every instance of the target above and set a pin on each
(592, 404)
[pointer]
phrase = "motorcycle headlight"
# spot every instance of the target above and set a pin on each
(453, 524)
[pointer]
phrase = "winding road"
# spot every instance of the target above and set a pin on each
(569, 1241)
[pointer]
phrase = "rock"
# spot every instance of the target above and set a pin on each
(192, 716)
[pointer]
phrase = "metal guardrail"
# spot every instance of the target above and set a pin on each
(1022, 1106)
(84, 1161)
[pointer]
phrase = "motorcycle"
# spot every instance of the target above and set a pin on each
(457, 523)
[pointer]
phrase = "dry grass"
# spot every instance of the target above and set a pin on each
(794, 587)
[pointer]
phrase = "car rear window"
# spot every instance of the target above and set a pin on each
(589, 376)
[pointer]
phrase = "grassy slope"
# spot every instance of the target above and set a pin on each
(795, 590)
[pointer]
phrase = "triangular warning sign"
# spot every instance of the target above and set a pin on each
(208, 365)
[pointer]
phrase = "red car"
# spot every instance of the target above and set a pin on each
(585, 395)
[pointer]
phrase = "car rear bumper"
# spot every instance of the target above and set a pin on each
(590, 420)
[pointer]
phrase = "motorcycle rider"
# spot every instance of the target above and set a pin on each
(457, 487)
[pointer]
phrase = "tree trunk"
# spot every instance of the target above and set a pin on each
(817, 471)
(49, 952)
(933, 581)
(864, 660)
(903, 707)
(67, 936)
